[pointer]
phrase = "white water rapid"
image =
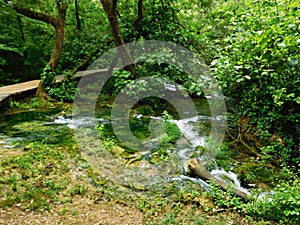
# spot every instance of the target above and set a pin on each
(189, 127)
(194, 138)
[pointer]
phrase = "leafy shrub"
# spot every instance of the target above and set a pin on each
(48, 79)
(65, 91)
(258, 65)
(284, 205)
(224, 199)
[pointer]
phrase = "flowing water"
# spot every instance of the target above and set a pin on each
(137, 171)
(188, 128)
(142, 175)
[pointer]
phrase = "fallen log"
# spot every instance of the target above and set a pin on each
(197, 169)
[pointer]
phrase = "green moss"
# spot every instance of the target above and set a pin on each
(173, 132)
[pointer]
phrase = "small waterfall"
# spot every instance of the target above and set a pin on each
(190, 130)
(220, 174)
(61, 120)
(189, 127)
(143, 173)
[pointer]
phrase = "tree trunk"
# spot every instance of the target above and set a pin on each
(21, 28)
(195, 166)
(59, 35)
(110, 8)
(77, 16)
(59, 25)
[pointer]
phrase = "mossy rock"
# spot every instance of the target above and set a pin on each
(201, 149)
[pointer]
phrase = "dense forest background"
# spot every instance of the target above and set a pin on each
(251, 46)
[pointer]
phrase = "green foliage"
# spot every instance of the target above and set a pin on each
(258, 66)
(169, 219)
(282, 206)
(31, 40)
(109, 140)
(34, 39)
(145, 110)
(65, 91)
(123, 82)
(36, 177)
(223, 157)
(48, 79)
(34, 103)
(253, 170)
(225, 199)
(166, 26)
(118, 81)
(160, 21)
(172, 130)
(78, 189)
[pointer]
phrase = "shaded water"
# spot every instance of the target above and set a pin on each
(19, 128)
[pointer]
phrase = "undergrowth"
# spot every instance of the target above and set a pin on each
(38, 176)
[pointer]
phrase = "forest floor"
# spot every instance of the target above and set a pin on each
(85, 211)
(91, 208)
(82, 210)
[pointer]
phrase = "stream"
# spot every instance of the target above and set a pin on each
(139, 171)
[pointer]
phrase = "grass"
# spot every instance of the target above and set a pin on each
(38, 176)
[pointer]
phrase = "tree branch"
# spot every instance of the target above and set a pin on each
(140, 14)
(35, 15)
(77, 15)
(85, 62)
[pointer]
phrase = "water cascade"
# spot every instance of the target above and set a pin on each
(140, 175)
(189, 128)
(191, 133)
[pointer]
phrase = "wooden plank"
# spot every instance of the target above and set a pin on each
(3, 97)
(18, 88)
(22, 88)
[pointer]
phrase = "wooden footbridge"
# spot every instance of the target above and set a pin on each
(14, 91)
